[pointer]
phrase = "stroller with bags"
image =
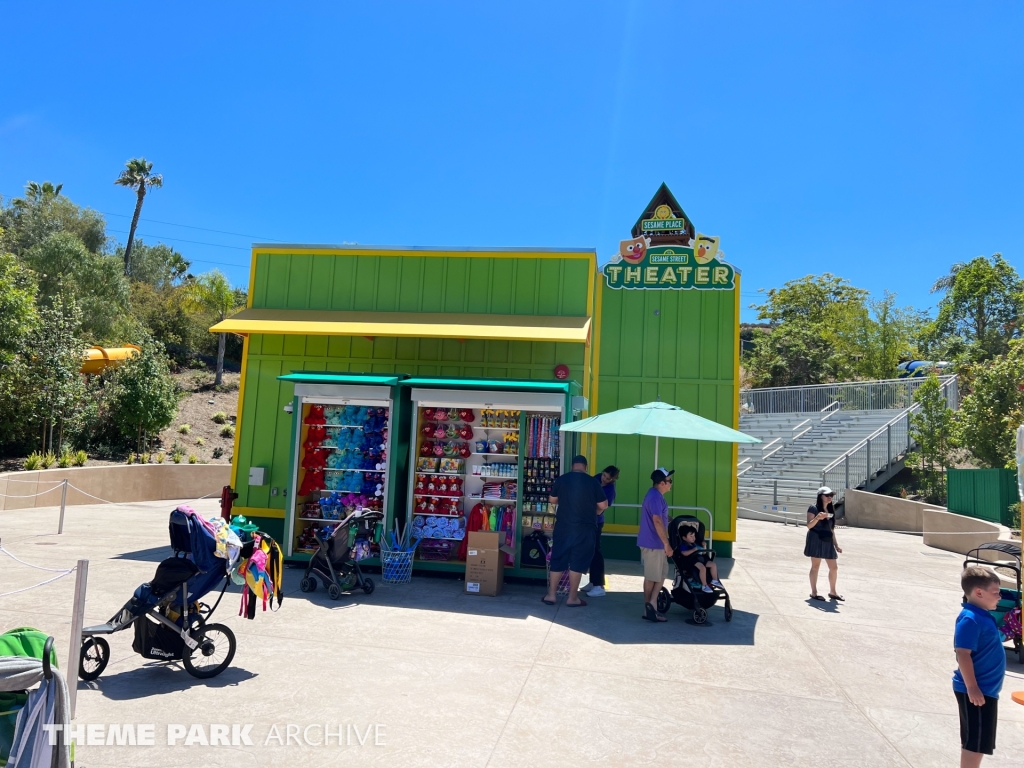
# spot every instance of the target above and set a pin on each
(686, 587)
(170, 622)
(333, 562)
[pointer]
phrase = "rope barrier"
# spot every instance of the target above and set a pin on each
(61, 573)
(40, 584)
(141, 506)
(30, 565)
(799, 524)
(33, 495)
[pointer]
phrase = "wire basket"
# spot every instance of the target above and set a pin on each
(563, 581)
(396, 567)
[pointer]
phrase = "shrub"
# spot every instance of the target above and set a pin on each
(193, 459)
(34, 460)
(177, 456)
(49, 459)
(131, 458)
(218, 452)
(144, 458)
(219, 417)
(200, 442)
(228, 430)
(185, 429)
(80, 458)
(65, 459)
(160, 457)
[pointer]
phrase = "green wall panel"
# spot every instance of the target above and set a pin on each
(392, 283)
(679, 347)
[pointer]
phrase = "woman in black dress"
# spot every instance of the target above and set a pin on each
(821, 542)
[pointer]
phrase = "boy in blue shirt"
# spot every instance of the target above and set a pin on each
(981, 665)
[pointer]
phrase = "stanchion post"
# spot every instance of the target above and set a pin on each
(63, 501)
(75, 642)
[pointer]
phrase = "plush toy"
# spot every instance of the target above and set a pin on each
(316, 415)
(427, 449)
(464, 450)
(438, 449)
(453, 414)
(466, 432)
(441, 414)
(466, 414)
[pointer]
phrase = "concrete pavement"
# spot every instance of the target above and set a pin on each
(442, 678)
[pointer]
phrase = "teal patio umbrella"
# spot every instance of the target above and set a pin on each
(658, 420)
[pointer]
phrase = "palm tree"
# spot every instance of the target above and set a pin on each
(38, 193)
(211, 292)
(137, 175)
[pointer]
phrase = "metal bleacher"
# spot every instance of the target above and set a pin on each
(849, 435)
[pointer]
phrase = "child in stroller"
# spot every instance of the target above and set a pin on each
(691, 558)
(333, 561)
(689, 587)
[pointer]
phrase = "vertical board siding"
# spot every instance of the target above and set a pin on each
(684, 355)
(393, 283)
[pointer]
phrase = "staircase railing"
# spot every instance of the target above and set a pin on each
(851, 395)
(885, 446)
(875, 453)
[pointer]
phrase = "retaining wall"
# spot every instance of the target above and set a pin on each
(118, 483)
(872, 510)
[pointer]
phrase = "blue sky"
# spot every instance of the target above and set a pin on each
(879, 141)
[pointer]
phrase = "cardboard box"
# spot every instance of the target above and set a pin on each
(485, 563)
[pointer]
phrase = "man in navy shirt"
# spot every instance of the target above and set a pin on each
(596, 587)
(580, 500)
(981, 665)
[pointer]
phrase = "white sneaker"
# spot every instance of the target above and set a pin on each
(706, 588)
(596, 592)
(717, 583)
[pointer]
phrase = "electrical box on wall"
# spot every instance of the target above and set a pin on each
(580, 403)
(257, 475)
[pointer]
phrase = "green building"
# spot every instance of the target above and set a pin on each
(524, 338)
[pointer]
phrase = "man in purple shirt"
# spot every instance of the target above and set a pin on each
(653, 541)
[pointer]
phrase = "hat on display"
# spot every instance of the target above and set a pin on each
(825, 491)
(579, 459)
(661, 474)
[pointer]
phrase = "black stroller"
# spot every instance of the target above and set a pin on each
(686, 587)
(333, 561)
(170, 622)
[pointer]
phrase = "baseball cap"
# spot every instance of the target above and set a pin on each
(661, 474)
(579, 459)
(826, 491)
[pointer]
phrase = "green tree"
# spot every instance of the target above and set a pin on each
(932, 429)
(63, 264)
(53, 388)
(138, 175)
(879, 336)
(980, 311)
(142, 397)
(211, 293)
(44, 211)
(809, 340)
(989, 416)
(158, 265)
(18, 321)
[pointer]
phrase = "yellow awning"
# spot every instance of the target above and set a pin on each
(316, 322)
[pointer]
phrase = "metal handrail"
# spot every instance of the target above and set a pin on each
(711, 518)
(880, 394)
(861, 452)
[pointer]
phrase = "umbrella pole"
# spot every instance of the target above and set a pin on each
(655, 452)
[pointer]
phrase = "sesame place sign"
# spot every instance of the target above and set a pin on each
(698, 265)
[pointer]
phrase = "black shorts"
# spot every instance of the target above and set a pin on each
(977, 724)
(572, 548)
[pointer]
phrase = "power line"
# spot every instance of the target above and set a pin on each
(180, 240)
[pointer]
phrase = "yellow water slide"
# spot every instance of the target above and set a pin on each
(98, 359)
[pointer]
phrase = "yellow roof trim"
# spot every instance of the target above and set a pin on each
(316, 322)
